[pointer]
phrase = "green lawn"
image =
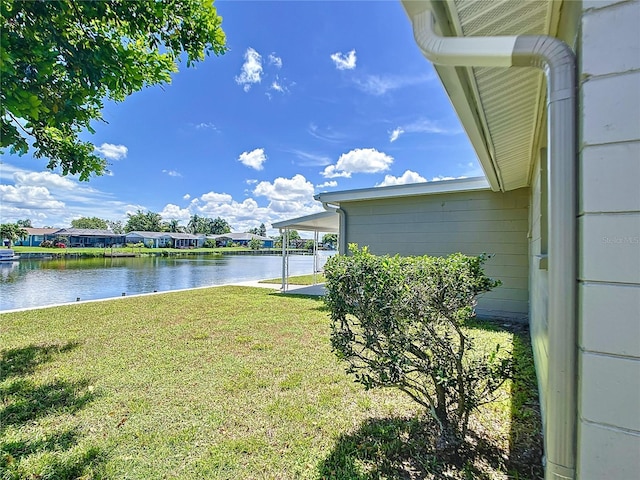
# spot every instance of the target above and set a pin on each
(224, 383)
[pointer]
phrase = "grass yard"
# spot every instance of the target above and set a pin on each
(226, 383)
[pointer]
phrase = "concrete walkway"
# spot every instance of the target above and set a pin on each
(315, 290)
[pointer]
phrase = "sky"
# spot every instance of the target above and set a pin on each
(310, 97)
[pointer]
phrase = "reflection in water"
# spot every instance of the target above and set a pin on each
(36, 283)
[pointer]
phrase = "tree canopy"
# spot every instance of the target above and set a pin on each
(12, 232)
(59, 60)
(261, 230)
(143, 222)
(90, 222)
(208, 226)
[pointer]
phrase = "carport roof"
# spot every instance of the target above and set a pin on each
(328, 221)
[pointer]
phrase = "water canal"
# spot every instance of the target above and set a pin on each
(37, 283)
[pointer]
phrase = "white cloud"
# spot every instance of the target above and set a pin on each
(360, 160)
(186, 196)
(439, 178)
(277, 87)
(330, 184)
(251, 181)
(395, 134)
(275, 60)
(47, 198)
(251, 69)
(422, 125)
(172, 173)
(381, 84)
(326, 134)
(253, 159)
(407, 177)
(311, 159)
(213, 197)
(48, 179)
(205, 126)
(296, 188)
(344, 61)
(174, 212)
(112, 152)
(28, 197)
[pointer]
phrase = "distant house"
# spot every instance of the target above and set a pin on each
(35, 236)
(88, 237)
(242, 239)
(166, 239)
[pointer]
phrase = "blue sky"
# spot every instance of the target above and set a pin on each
(311, 97)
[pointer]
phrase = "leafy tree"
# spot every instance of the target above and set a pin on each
(61, 58)
(197, 224)
(400, 322)
(293, 236)
(12, 232)
(218, 226)
(255, 244)
(26, 223)
(261, 230)
(309, 244)
(115, 226)
(330, 239)
(90, 222)
(172, 226)
(143, 222)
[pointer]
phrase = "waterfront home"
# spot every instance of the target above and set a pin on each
(241, 239)
(166, 239)
(87, 237)
(35, 236)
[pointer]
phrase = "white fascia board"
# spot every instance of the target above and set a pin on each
(328, 221)
(412, 189)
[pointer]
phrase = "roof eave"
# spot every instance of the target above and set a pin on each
(412, 189)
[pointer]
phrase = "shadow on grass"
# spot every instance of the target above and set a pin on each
(31, 445)
(404, 448)
(18, 362)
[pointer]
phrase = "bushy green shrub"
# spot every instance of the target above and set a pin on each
(255, 244)
(399, 322)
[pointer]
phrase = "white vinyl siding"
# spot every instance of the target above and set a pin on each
(609, 242)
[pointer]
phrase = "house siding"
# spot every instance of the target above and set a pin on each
(609, 241)
(538, 277)
(440, 224)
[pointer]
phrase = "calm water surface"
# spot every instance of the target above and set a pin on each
(37, 283)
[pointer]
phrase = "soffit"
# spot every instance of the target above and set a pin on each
(504, 107)
(328, 221)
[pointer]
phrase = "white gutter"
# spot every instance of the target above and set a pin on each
(557, 60)
(342, 225)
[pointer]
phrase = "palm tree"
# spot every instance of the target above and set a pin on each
(12, 232)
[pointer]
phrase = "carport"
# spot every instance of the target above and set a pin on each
(323, 222)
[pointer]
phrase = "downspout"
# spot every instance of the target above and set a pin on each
(557, 61)
(342, 227)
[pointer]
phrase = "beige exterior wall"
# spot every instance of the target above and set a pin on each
(609, 241)
(469, 222)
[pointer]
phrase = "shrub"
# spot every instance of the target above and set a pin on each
(46, 244)
(399, 322)
(255, 244)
